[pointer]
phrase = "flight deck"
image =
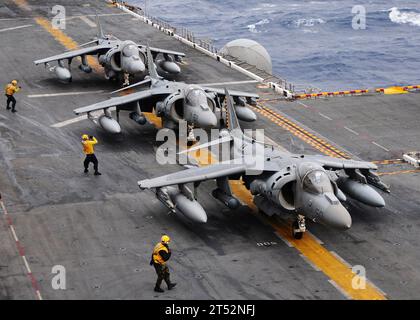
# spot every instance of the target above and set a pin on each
(102, 229)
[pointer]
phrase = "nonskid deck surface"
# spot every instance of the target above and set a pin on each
(101, 229)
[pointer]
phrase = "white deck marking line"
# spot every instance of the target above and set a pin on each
(21, 251)
(59, 94)
(15, 28)
(70, 121)
(14, 233)
(89, 22)
(335, 254)
(227, 83)
(339, 289)
(378, 145)
(324, 116)
(309, 262)
(26, 264)
(301, 103)
(351, 130)
(376, 287)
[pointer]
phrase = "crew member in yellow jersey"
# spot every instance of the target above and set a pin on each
(88, 142)
(161, 254)
(10, 91)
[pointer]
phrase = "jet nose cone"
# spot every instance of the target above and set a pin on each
(136, 67)
(337, 217)
(207, 120)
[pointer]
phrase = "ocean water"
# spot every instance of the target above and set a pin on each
(312, 43)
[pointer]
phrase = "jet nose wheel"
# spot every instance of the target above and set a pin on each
(298, 228)
(296, 233)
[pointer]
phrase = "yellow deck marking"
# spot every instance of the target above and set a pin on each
(59, 35)
(66, 41)
(301, 133)
(398, 172)
(23, 5)
(317, 254)
(308, 246)
(313, 251)
(395, 90)
(389, 161)
(153, 119)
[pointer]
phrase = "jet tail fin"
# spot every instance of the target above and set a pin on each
(232, 121)
(231, 124)
(101, 34)
(151, 65)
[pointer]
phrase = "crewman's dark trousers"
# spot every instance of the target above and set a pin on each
(162, 273)
(91, 158)
(11, 99)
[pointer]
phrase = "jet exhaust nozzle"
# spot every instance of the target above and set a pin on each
(109, 124)
(361, 192)
(63, 74)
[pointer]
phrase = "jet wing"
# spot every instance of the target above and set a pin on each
(75, 53)
(338, 164)
(233, 93)
(164, 51)
(116, 101)
(194, 175)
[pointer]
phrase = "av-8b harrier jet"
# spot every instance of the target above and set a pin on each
(173, 101)
(119, 58)
(306, 186)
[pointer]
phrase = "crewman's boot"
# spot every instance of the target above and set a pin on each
(14, 110)
(171, 285)
(158, 289)
(86, 171)
(8, 108)
(97, 173)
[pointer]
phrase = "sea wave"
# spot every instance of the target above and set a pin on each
(411, 18)
(253, 27)
(308, 22)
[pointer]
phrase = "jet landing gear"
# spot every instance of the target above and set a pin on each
(299, 227)
(126, 82)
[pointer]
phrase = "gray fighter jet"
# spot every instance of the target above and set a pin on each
(173, 101)
(119, 58)
(306, 186)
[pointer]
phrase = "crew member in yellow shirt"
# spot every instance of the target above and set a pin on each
(161, 254)
(10, 91)
(88, 142)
